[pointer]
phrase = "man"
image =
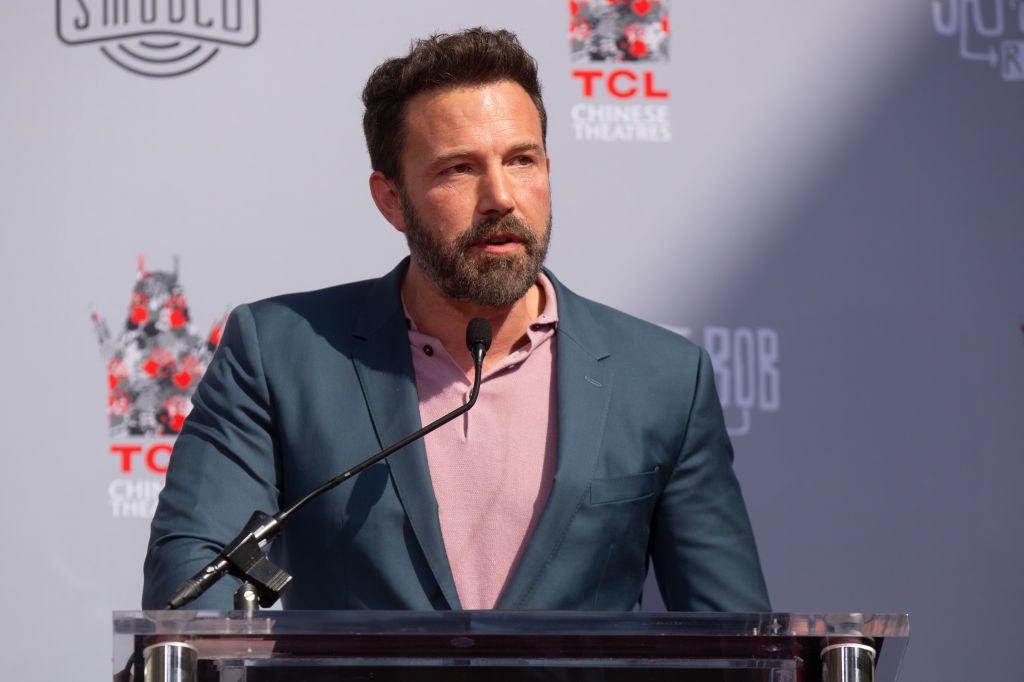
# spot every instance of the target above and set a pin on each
(597, 441)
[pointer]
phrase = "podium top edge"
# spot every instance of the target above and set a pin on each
(510, 623)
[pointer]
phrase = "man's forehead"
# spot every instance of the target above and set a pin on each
(503, 89)
(437, 116)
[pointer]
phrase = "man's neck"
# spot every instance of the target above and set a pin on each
(445, 318)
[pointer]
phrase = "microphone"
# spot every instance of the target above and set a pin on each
(478, 340)
(243, 557)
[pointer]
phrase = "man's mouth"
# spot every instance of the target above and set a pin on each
(500, 239)
(505, 236)
(500, 244)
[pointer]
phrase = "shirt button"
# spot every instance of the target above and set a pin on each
(428, 349)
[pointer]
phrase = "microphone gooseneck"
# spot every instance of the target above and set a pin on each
(243, 557)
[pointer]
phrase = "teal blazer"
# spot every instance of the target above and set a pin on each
(304, 386)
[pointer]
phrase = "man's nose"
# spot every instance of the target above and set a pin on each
(496, 195)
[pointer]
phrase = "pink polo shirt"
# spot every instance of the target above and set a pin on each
(493, 468)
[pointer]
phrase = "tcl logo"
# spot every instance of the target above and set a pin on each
(621, 83)
(154, 458)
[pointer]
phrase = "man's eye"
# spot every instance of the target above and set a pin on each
(459, 168)
(522, 160)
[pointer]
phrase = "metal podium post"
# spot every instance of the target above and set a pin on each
(170, 662)
(848, 662)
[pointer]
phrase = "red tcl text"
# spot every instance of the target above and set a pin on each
(621, 83)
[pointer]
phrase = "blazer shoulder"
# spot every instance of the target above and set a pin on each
(618, 331)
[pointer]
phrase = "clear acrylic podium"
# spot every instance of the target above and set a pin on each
(315, 646)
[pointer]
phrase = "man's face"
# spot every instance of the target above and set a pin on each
(476, 202)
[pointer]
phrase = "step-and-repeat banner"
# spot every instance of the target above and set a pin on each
(828, 196)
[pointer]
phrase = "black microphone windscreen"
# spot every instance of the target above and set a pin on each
(478, 333)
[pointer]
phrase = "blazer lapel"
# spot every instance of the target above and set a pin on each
(385, 371)
(584, 391)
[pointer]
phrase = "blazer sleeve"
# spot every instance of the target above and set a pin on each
(703, 547)
(223, 467)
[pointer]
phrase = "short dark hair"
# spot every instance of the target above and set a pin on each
(475, 56)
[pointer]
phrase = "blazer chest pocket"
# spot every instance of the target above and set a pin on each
(623, 488)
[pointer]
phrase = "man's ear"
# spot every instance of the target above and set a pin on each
(388, 200)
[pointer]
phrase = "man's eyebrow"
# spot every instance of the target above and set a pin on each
(456, 154)
(450, 156)
(526, 147)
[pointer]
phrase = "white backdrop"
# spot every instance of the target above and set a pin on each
(836, 214)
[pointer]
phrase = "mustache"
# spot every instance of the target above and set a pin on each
(505, 225)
